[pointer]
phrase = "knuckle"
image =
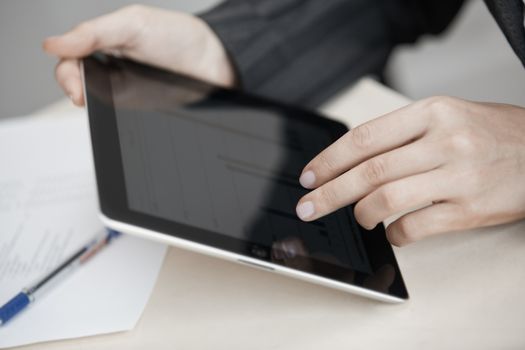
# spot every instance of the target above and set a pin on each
(393, 236)
(362, 136)
(328, 197)
(441, 108)
(390, 198)
(463, 143)
(60, 72)
(374, 171)
(440, 103)
(407, 230)
(361, 214)
(327, 163)
(134, 8)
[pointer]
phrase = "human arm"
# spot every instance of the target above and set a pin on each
(304, 51)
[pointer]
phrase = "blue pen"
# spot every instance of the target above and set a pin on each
(32, 293)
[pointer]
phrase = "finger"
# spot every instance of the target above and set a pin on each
(431, 220)
(403, 195)
(358, 182)
(377, 136)
(67, 73)
(110, 31)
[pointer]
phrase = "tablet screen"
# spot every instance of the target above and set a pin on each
(229, 165)
(231, 169)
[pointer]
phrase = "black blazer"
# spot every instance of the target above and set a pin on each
(303, 51)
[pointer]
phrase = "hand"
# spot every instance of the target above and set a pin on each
(170, 40)
(463, 161)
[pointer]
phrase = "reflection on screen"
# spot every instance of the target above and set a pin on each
(232, 170)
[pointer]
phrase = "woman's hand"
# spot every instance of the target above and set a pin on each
(166, 39)
(463, 161)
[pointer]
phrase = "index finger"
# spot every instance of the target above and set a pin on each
(377, 136)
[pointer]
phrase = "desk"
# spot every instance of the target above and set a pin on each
(467, 291)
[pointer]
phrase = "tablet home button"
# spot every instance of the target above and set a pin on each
(261, 266)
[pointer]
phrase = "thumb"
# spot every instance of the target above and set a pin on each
(112, 31)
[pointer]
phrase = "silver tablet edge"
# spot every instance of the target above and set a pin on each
(244, 260)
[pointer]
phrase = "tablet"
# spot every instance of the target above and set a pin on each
(216, 171)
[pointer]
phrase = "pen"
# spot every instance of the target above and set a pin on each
(28, 295)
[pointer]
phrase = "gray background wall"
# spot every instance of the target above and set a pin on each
(472, 60)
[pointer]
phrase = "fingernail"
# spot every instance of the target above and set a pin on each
(305, 210)
(307, 179)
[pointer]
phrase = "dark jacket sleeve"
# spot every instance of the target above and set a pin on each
(304, 51)
(509, 16)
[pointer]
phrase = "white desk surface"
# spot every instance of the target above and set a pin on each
(467, 291)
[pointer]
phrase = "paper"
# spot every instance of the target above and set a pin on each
(48, 209)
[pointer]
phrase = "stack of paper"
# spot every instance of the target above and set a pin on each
(48, 208)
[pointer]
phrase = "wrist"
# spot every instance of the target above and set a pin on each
(215, 62)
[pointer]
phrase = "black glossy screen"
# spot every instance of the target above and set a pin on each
(219, 167)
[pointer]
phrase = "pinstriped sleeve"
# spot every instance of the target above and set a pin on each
(304, 51)
(301, 51)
